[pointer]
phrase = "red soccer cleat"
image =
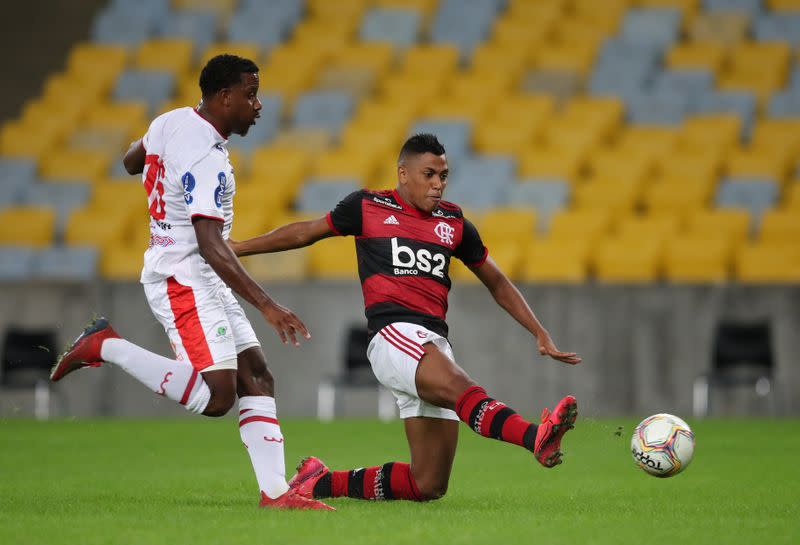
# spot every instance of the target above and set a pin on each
(309, 471)
(553, 427)
(85, 350)
(291, 499)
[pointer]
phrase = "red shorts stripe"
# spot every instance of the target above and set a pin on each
(401, 348)
(189, 387)
(410, 345)
(266, 419)
(187, 322)
(403, 337)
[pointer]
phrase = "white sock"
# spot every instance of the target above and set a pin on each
(174, 379)
(262, 437)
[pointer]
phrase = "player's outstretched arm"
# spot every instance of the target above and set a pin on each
(134, 158)
(508, 296)
(287, 237)
(219, 256)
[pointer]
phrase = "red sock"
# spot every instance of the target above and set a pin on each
(494, 419)
(392, 481)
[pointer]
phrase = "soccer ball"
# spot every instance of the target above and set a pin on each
(662, 445)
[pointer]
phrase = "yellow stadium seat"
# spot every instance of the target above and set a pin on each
(571, 134)
(333, 258)
(652, 142)
(781, 5)
(355, 81)
(312, 141)
(696, 168)
(418, 60)
(510, 223)
(248, 50)
(510, 32)
(778, 134)
(760, 57)
(687, 7)
(762, 84)
(377, 57)
(780, 226)
(27, 226)
(558, 261)
(82, 226)
(88, 56)
(86, 89)
(499, 138)
(18, 139)
(170, 54)
(697, 259)
(551, 162)
(223, 7)
(402, 88)
(768, 264)
(280, 169)
(572, 57)
(622, 260)
(122, 115)
(74, 165)
(619, 198)
(623, 167)
(330, 35)
(722, 129)
(122, 263)
(118, 195)
(424, 6)
(791, 200)
(356, 164)
(697, 55)
(587, 109)
(492, 58)
(347, 9)
(282, 266)
(606, 15)
(259, 201)
(581, 31)
(584, 225)
(252, 219)
(730, 223)
(385, 176)
(759, 163)
(507, 255)
(667, 198)
(725, 27)
(655, 229)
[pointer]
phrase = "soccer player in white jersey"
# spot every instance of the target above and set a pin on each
(189, 273)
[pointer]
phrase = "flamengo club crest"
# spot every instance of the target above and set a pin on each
(444, 232)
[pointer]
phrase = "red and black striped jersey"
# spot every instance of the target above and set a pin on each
(404, 255)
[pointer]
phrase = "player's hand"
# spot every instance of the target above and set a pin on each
(286, 323)
(548, 348)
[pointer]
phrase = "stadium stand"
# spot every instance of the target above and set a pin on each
(628, 140)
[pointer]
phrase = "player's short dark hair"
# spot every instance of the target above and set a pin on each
(419, 144)
(224, 71)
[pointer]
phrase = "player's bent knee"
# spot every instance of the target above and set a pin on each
(429, 491)
(219, 405)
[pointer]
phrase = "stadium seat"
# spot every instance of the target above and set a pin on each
(546, 196)
(662, 108)
(493, 58)
(657, 27)
(127, 25)
(779, 227)
(641, 140)
(572, 57)
(755, 194)
(768, 264)
(169, 54)
(71, 165)
(355, 164)
(398, 26)
(697, 259)
(750, 7)
(791, 200)
(695, 55)
(321, 195)
(32, 226)
(86, 57)
(559, 82)
(663, 197)
(626, 167)
(723, 27)
(326, 110)
(557, 261)
(15, 174)
(626, 261)
(767, 164)
(16, 263)
(122, 263)
(785, 104)
(548, 162)
(654, 229)
(722, 129)
(151, 86)
(63, 197)
(690, 83)
(585, 225)
(509, 224)
(281, 267)
(618, 198)
(463, 24)
(59, 263)
(455, 136)
(200, 26)
(81, 226)
(731, 224)
(572, 135)
(333, 258)
(740, 103)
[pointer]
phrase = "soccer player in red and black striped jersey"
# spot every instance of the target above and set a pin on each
(405, 239)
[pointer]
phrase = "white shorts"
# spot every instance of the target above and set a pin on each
(394, 354)
(205, 323)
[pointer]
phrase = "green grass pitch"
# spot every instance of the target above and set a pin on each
(190, 481)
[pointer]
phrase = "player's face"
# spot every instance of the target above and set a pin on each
(424, 178)
(244, 106)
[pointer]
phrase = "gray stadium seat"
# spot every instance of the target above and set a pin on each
(396, 26)
(65, 263)
(757, 195)
(736, 102)
(265, 23)
(455, 136)
(200, 26)
(689, 83)
(663, 108)
(656, 27)
(264, 129)
(15, 175)
(476, 171)
(16, 263)
(778, 27)
(478, 197)
(63, 196)
(116, 28)
(318, 195)
(544, 194)
(285, 10)
(750, 7)
(325, 110)
(464, 23)
(785, 103)
(151, 86)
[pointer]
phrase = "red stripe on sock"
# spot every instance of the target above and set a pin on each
(339, 483)
(187, 322)
(467, 401)
(514, 429)
(244, 411)
(266, 419)
(189, 387)
(402, 483)
(369, 482)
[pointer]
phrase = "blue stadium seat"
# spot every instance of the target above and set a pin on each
(469, 195)
(265, 23)
(15, 175)
(321, 196)
(16, 263)
(150, 86)
(60, 263)
(464, 23)
(200, 26)
(264, 129)
(785, 103)
(284, 10)
(455, 136)
(689, 83)
(750, 7)
(63, 196)
(396, 26)
(756, 195)
(545, 194)
(112, 27)
(778, 27)
(737, 102)
(661, 108)
(620, 80)
(655, 27)
(326, 110)
(477, 171)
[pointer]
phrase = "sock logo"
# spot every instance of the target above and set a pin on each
(273, 439)
(378, 485)
(488, 405)
(161, 391)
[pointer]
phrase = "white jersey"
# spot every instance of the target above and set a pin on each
(187, 174)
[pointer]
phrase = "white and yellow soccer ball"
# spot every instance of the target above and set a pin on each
(662, 445)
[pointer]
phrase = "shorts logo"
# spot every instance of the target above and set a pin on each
(220, 191)
(422, 335)
(221, 330)
(188, 187)
(445, 232)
